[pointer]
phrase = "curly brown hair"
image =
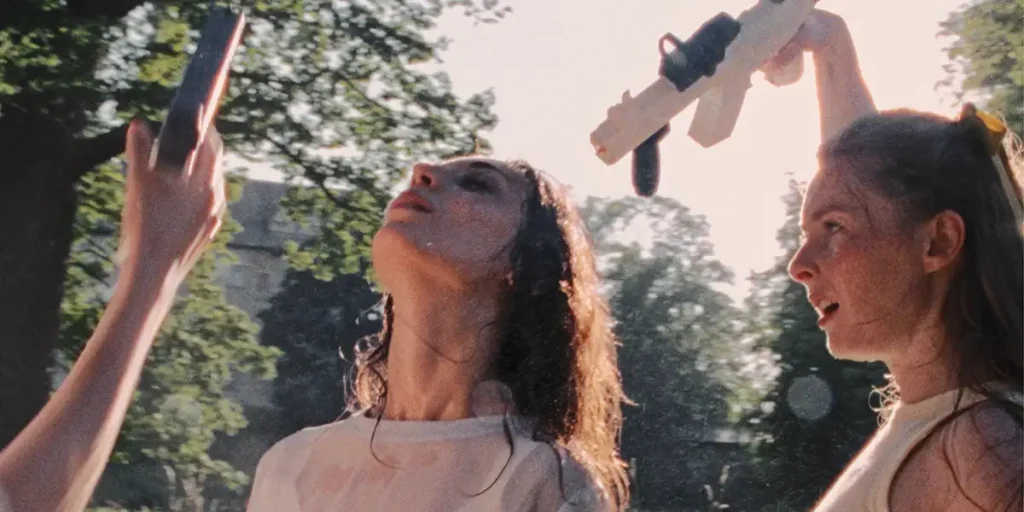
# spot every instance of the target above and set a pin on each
(557, 350)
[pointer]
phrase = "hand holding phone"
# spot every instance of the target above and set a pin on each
(197, 99)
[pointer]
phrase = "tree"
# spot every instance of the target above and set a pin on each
(162, 456)
(817, 414)
(675, 330)
(333, 92)
(316, 324)
(988, 54)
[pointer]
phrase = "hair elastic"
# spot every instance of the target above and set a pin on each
(996, 130)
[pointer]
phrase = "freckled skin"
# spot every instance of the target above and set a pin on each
(856, 253)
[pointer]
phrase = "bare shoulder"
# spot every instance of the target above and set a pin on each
(974, 462)
(551, 480)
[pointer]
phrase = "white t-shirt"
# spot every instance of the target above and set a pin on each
(864, 484)
(420, 466)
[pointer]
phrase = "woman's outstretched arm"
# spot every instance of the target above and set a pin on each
(54, 464)
(843, 96)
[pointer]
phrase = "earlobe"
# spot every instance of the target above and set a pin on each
(945, 234)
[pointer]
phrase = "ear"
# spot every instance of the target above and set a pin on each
(944, 240)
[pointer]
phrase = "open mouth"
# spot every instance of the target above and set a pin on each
(827, 312)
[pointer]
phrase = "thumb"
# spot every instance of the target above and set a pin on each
(138, 145)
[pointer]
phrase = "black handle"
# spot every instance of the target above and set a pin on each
(647, 164)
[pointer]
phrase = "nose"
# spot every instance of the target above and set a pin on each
(424, 174)
(801, 266)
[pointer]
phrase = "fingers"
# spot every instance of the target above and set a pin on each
(794, 49)
(138, 144)
(209, 173)
(206, 169)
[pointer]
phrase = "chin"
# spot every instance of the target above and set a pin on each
(398, 252)
(847, 347)
(393, 248)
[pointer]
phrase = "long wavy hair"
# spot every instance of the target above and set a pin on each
(557, 351)
(927, 164)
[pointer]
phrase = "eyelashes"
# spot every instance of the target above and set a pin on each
(475, 184)
(831, 228)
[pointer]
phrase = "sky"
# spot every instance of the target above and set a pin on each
(556, 66)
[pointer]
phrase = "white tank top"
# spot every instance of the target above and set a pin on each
(864, 485)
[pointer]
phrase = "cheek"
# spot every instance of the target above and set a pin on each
(484, 228)
(874, 277)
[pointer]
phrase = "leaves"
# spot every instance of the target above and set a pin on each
(675, 329)
(182, 403)
(340, 95)
(316, 324)
(987, 54)
(815, 416)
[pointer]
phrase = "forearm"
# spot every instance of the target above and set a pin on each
(55, 463)
(843, 96)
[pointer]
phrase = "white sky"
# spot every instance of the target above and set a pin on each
(557, 65)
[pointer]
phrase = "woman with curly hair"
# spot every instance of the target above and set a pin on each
(493, 385)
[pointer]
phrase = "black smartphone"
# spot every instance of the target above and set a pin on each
(198, 97)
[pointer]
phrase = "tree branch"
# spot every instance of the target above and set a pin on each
(91, 9)
(88, 153)
(16, 12)
(317, 177)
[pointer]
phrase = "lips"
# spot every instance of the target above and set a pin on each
(410, 200)
(825, 316)
(825, 307)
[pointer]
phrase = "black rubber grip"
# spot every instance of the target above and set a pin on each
(647, 164)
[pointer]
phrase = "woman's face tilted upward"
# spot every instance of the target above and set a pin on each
(456, 221)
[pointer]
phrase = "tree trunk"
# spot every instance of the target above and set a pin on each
(37, 208)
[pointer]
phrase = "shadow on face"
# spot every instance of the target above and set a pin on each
(455, 223)
(861, 265)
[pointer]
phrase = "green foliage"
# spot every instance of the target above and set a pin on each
(316, 325)
(676, 330)
(181, 404)
(988, 54)
(817, 415)
(340, 95)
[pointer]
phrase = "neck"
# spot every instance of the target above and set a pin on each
(443, 342)
(926, 367)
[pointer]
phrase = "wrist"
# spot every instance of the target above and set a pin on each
(151, 272)
(838, 43)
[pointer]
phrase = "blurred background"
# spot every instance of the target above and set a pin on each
(740, 407)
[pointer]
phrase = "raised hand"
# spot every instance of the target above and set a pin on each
(816, 34)
(170, 215)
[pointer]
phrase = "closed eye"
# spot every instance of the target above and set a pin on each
(475, 183)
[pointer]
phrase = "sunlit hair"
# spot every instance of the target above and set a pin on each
(927, 164)
(557, 351)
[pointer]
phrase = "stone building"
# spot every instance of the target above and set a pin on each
(249, 284)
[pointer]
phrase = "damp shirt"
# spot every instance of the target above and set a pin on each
(485, 463)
